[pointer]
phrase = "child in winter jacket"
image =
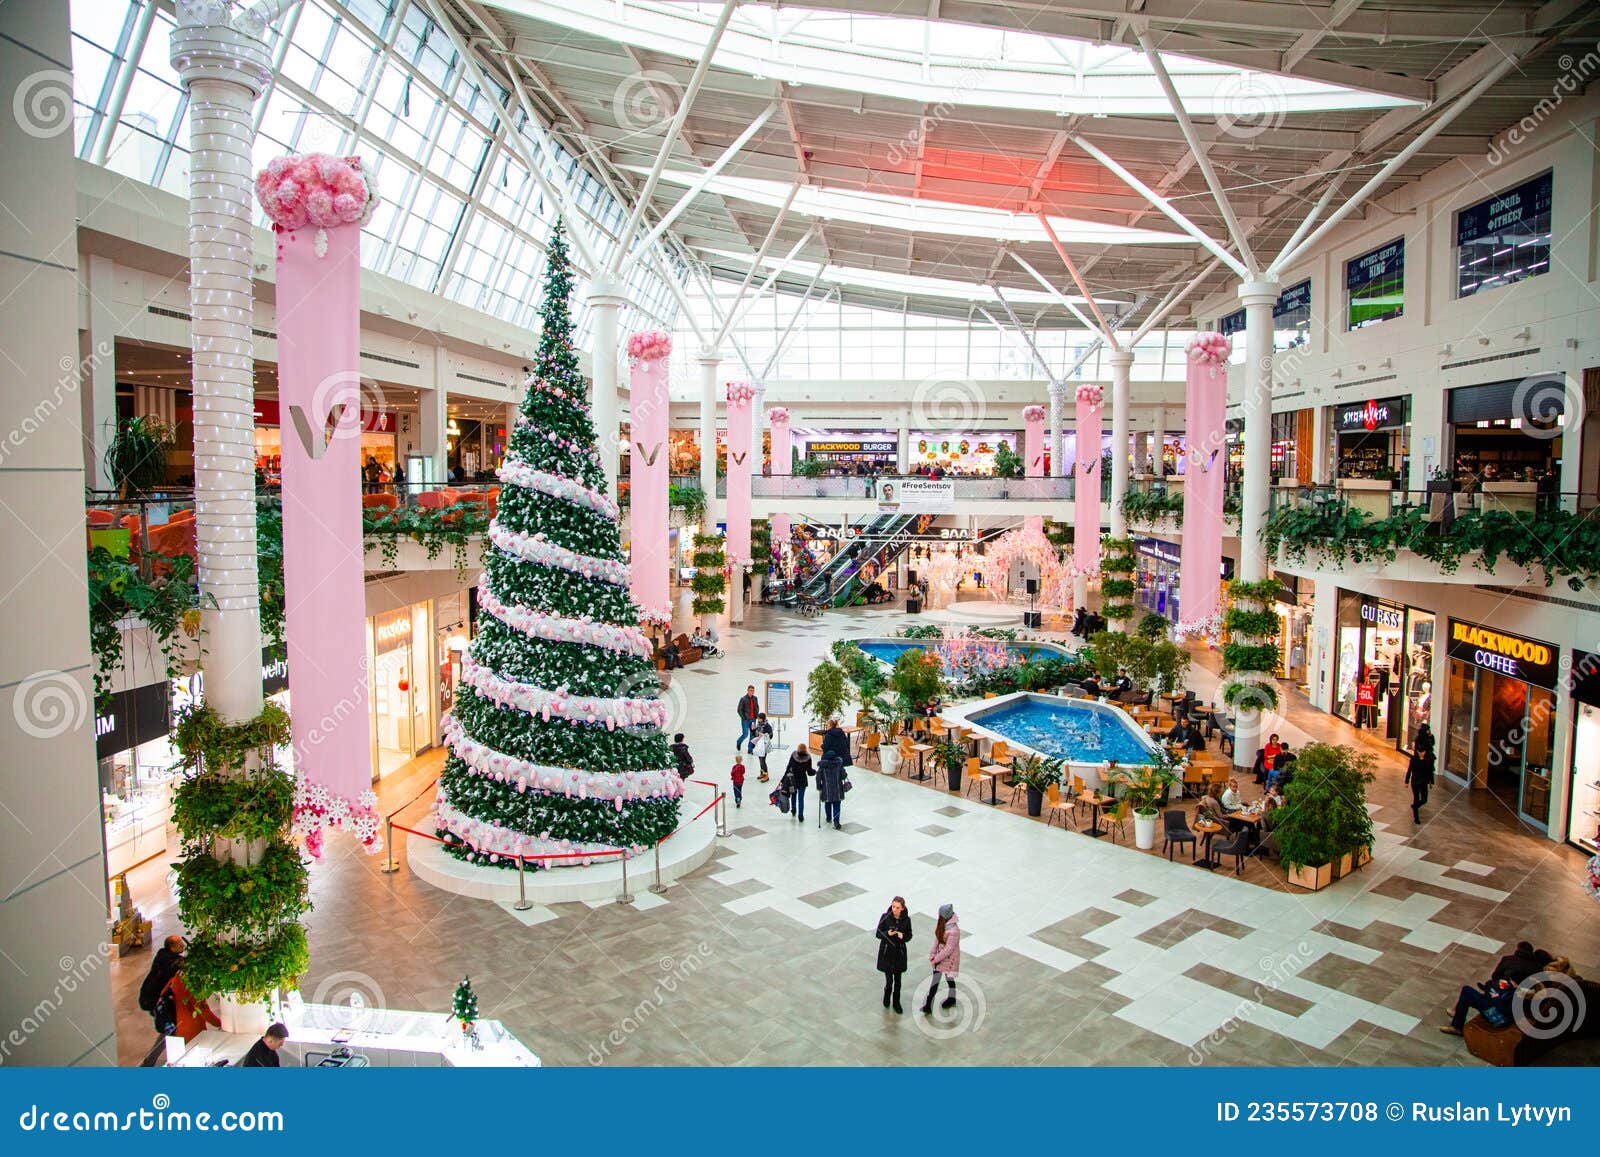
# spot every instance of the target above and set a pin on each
(736, 777)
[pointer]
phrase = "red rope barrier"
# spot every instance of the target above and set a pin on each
(414, 798)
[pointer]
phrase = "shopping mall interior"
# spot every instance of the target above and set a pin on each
(602, 499)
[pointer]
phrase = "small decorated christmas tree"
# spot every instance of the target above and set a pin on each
(464, 1005)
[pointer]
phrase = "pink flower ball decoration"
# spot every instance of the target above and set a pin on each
(651, 345)
(1091, 395)
(318, 190)
(1033, 414)
(778, 416)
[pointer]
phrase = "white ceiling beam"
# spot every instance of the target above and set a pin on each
(706, 177)
(1459, 79)
(1301, 48)
(1173, 299)
(761, 253)
(744, 302)
(1198, 150)
(1066, 302)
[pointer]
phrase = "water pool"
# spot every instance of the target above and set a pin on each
(1064, 729)
(888, 650)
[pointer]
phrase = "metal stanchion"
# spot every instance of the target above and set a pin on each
(626, 897)
(390, 864)
(523, 903)
(721, 815)
(658, 887)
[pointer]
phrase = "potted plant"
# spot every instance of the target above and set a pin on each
(827, 691)
(1325, 814)
(1169, 665)
(1145, 787)
(952, 757)
(916, 682)
(136, 459)
(1036, 773)
(1153, 627)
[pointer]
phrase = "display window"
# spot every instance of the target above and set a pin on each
(1375, 285)
(1383, 656)
(1501, 721)
(969, 453)
(403, 651)
(1583, 798)
(1505, 238)
(1510, 432)
(1372, 438)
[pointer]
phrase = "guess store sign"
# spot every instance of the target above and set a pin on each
(1526, 659)
(1375, 414)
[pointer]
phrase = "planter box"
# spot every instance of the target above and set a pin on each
(1516, 497)
(1341, 867)
(953, 778)
(1371, 496)
(1363, 855)
(1312, 879)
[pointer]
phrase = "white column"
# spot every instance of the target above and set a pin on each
(223, 70)
(433, 424)
(1121, 367)
(1058, 401)
(1258, 298)
(903, 450)
(1321, 457)
(606, 299)
(709, 361)
(97, 370)
(1158, 442)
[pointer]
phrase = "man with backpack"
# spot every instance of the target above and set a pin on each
(168, 959)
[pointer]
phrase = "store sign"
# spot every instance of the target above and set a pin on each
(372, 421)
(391, 631)
(917, 496)
(1525, 659)
(1379, 265)
(134, 717)
(1157, 549)
(852, 447)
(1520, 206)
(1382, 617)
(1375, 414)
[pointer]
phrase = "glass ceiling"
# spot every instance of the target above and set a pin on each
(939, 62)
(458, 215)
(921, 215)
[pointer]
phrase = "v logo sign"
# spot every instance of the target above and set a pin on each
(1210, 462)
(738, 459)
(649, 456)
(316, 441)
(1088, 469)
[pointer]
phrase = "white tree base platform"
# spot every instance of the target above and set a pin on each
(682, 854)
(975, 613)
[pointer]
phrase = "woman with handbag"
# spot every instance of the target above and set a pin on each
(831, 786)
(795, 777)
(945, 956)
(894, 933)
(762, 733)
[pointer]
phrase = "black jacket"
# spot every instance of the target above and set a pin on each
(162, 968)
(749, 707)
(1516, 968)
(836, 742)
(685, 760)
(799, 771)
(1419, 770)
(830, 779)
(892, 950)
(260, 1057)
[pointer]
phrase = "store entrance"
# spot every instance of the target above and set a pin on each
(1501, 737)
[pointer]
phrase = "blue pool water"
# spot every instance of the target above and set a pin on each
(889, 651)
(1066, 730)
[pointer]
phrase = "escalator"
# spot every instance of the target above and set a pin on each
(879, 541)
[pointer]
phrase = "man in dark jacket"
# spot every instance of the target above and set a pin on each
(168, 959)
(1523, 962)
(264, 1053)
(835, 742)
(680, 751)
(749, 708)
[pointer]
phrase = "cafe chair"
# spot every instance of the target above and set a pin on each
(1057, 805)
(1238, 847)
(906, 756)
(976, 776)
(1175, 825)
(1117, 820)
(872, 748)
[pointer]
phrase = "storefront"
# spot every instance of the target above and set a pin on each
(452, 632)
(475, 449)
(1500, 725)
(1372, 438)
(1509, 432)
(1383, 664)
(379, 450)
(879, 449)
(1583, 798)
(1157, 563)
(402, 652)
(1293, 607)
(968, 453)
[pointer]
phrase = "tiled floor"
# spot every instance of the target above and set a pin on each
(1075, 951)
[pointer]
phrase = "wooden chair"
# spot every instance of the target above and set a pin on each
(1117, 820)
(1000, 752)
(872, 746)
(976, 775)
(904, 751)
(1057, 805)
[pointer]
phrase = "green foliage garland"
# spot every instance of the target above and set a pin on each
(709, 583)
(1117, 589)
(254, 899)
(1251, 655)
(167, 605)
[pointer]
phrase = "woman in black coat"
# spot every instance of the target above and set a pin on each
(1419, 772)
(798, 776)
(894, 933)
(830, 788)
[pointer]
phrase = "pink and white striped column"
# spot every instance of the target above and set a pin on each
(1205, 467)
(1033, 456)
(741, 415)
(782, 453)
(649, 412)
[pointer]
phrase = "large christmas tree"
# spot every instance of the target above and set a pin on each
(555, 739)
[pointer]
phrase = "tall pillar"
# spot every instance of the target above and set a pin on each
(1058, 457)
(52, 860)
(433, 423)
(1258, 297)
(709, 361)
(1033, 448)
(97, 369)
(606, 299)
(903, 450)
(1321, 451)
(1121, 369)
(1158, 448)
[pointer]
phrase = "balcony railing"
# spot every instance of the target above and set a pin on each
(847, 486)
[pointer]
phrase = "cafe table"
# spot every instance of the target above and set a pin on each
(1096, 801)
(1209, 829)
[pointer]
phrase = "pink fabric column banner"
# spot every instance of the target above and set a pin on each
(1086, 487)
(321, 399)
(649, 414)
(1205, 465)
(782, 455)
(1033, 453)
(741, 396)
